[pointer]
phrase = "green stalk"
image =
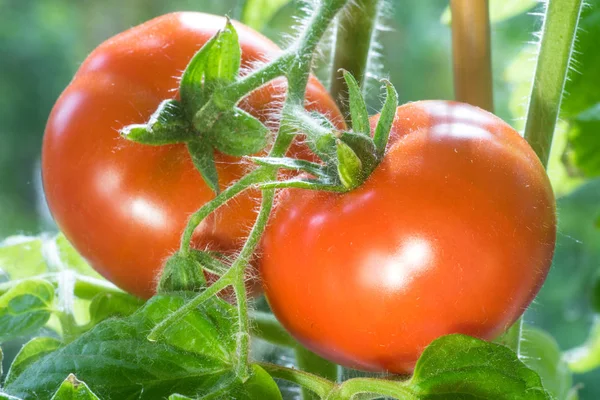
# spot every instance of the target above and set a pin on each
(319, 386)
(355, 33)
(471, 53)
(558, 38)
(310, 362)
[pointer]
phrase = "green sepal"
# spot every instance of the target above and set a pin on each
(292, 164)
(203, 157)
(358, 107)
(386, 119)
(238, 133)
(74, 389)
(364, 147)
(225, 57)
(181, 273)
(209, 262)
(349, 167)
(167, 125)
(217, 63)
(31, 352)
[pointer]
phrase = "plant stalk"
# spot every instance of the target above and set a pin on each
(356, 29)
(556, 47)
(471, 53)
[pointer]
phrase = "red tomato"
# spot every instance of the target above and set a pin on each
(125, 205)
(453, 232)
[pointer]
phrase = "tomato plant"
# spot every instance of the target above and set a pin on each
(138, 198)
(452, 233)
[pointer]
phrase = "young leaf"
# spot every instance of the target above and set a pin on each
(167, 125)
(386, 119)
(225, 57)
(209, 262)
(25, 308)
(358, 107)
(182, 272)
(465, 367)
(203, 156)
(73, 389)
(32, 351)
(238, 133)
(350, 168)
(118, 362)
(21, 257)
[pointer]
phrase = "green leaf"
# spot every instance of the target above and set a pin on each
(386, 119)
(291, 164)
(21, 257)
(4, 396)
(257, 13)
(203, 156)
(115, 359)
(167, 125)
(73, 389)
(107, 305)
(238, 133)
(25, 308)
(540, 352)
(358, 107)
(32, 351)
(459, 366)
(350, 169)
(225, 57)
(500, 10)
(584, 141)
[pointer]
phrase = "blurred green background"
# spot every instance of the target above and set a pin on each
(42, 43)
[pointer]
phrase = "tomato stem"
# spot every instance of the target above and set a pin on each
(556, 47)
(355, 33)
(471, 53)
(320, 386)
(310, 362)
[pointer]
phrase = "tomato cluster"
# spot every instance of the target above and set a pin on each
(453, 232)
(124, 205)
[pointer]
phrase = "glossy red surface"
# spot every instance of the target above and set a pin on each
(454, 232)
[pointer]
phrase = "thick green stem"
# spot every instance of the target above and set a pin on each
(320, 386)
(310, 362)
(558, 38)
(471, 53)
(355, 33)
(352, 387)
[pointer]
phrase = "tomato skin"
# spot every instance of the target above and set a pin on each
(454, 232)
(124, 205)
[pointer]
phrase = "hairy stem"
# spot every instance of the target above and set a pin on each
(352, 387)
(355, 32)
(558, 38)
(471, 53)
(222, 198)
(320, 386)
(310, 362)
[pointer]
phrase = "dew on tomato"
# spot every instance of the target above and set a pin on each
(453, 232)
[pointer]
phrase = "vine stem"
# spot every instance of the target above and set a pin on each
(471, 53)
(556, 47)
(355, 33)
(296, 65)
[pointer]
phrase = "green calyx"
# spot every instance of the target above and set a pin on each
(229, 129)
(348, 157)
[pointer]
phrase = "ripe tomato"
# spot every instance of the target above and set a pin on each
(124, 205)
(452, 233)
